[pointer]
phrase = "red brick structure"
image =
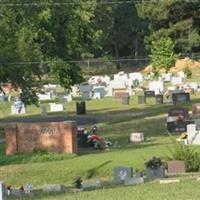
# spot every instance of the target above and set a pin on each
(49, 136)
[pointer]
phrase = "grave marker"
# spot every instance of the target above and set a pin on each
(2, 191)
(121, 174)
(196, 109)
(176, 166)
(180, 97)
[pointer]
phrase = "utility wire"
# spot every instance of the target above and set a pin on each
(73, 61)
(77, 2)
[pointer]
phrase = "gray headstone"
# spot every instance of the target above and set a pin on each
(122, 173)
(54, 188)
(134, 181)
(155, 172)
(2, 191)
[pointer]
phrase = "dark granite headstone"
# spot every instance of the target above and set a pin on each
(176, 166)
(153, 173)
(149, 93)
(80, 108)
(122, 173)
(180, 97)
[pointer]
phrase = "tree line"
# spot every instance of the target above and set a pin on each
(38, 37)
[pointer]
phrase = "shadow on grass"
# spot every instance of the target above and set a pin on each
(92, 172)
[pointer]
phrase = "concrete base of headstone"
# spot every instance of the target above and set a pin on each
(91, 185)
(54, 188)
(169, 181)
(134, 181)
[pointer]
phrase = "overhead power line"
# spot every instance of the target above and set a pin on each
(75, 2)
(74, 61)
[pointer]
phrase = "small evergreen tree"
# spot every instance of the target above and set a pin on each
(162, 54)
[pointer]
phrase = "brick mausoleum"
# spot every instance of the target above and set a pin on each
(49, 136)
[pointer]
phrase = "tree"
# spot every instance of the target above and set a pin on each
(54, 36)
(162, 54)
(174, 19)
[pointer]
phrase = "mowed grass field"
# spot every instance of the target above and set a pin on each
(115, 122)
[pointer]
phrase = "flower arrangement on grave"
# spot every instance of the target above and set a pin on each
(154, 163)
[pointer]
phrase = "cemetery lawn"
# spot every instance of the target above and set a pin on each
(115, 123)
(186, 189)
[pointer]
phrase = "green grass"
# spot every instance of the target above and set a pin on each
(187, 189)
(115, 122)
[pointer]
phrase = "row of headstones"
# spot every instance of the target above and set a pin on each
(122, 175)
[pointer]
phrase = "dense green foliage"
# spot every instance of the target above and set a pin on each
(39, 33)
(162, 54)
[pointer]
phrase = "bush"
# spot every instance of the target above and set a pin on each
(187, 154)
(188, 72)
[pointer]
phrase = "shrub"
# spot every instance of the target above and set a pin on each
(188, 72)
(187, 154)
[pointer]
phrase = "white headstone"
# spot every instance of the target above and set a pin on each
(167, 77)
(2, 191)
(181, 74)
(120, 84)
(46, 96)
(99, 89)
(96, 95)
(191, 131)
(136, 137)
(18, 108)
(156, 86)
(56, 107)
(121, 76)
(177, 80)
(136, 76)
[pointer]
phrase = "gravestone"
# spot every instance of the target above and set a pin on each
(196, 109)
(56, 137)
(56, 107)
(136, 137)
(2, 191)
(197, 123)
(156, 86)
(141, 100)
(96, 95)
(134, 181)
(18, 108)
(122, 173)
(153, 173)
(91, 185)
(99, 89)
(136, 76)
(43, 110)
(46, 96)
(177, 80)
(159, 99)
(149, 93)
(176, 166)
(80, 108)
(191, 131)
(180, 97)
(54, 188)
